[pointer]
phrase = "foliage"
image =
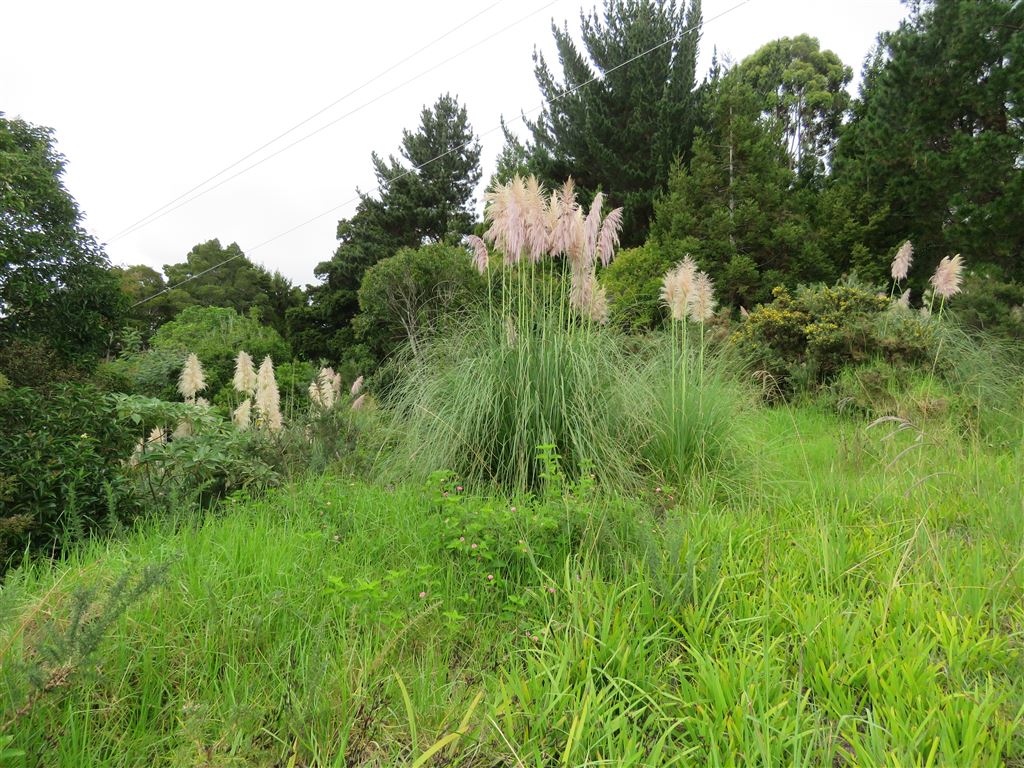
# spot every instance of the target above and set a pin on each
(803, 339)
(216, 335)
(732, 208)
(424, 196)
(405, 298)
(55, 286)
(804, 88)
(198, 465)
(61, 474)
(237, 283)
(624, 132)
(933, 152)
(633, 281)
(149, 305)
(991, 304)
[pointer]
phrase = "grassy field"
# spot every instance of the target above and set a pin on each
(849, 595)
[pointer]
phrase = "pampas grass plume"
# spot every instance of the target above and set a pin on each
(481, 259)
(242, 415)
(948, 276)
(192, 379)
(357, 387)
(702, 298)
(901, 263)
(244, 380)
(359, 402)
(677, 287)
(268, 398)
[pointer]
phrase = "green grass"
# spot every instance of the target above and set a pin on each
(856, 600)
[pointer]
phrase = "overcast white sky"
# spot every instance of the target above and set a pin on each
(149, 99)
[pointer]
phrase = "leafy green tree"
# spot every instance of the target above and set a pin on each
(56, 289)
(804, 88)
(406, 297)
(616, 125)
(237, 283)
(935, 148)
(732, 208)
(140, 283)
(425, 196)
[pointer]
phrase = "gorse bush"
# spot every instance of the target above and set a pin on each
(804, 339)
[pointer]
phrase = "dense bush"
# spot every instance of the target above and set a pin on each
(405, 298)
(991, 303)
(803, 339)
(62, 457)
(633, 281)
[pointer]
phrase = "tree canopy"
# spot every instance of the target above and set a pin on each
(56, 288)
(614, 125)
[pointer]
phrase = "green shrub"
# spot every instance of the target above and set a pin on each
(633, 281)
(991, 304)
(216, 335)
(62, 457)
(804, 339)
(194, 466)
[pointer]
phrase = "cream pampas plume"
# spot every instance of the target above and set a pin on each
(904, 299)
(901, 263)
(598, 306)
(948, 277)
(609, 238)
(268, 398)
(326, 378)
(242, 415)
(314, 393)
(191, 380)
(357, 405)
(702, 299)
(677, 287)
(357, 387)
(157, 436)
(244, 380)
(481, 259)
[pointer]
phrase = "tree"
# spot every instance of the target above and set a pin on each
(406, 297)
(56, 289)
(237, 283)
(805, 89)
(424, 197)
(732, 208)
(615, 124)
(140, 283)
(935, 148)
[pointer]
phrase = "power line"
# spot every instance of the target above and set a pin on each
(302, 122)
(171, 207)
(415, 168)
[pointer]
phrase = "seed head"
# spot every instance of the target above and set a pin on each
(191, 380)
(901, 263)
(244, 380)
(948, 276)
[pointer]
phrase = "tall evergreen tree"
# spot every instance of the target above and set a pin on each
(618, 125)
(425, 195)
(732, 208)
(935, 149)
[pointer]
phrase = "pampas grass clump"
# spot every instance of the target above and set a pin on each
(479, 403)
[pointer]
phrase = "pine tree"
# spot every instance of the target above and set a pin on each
(936, 145)
(620, 129)
(425, 196)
